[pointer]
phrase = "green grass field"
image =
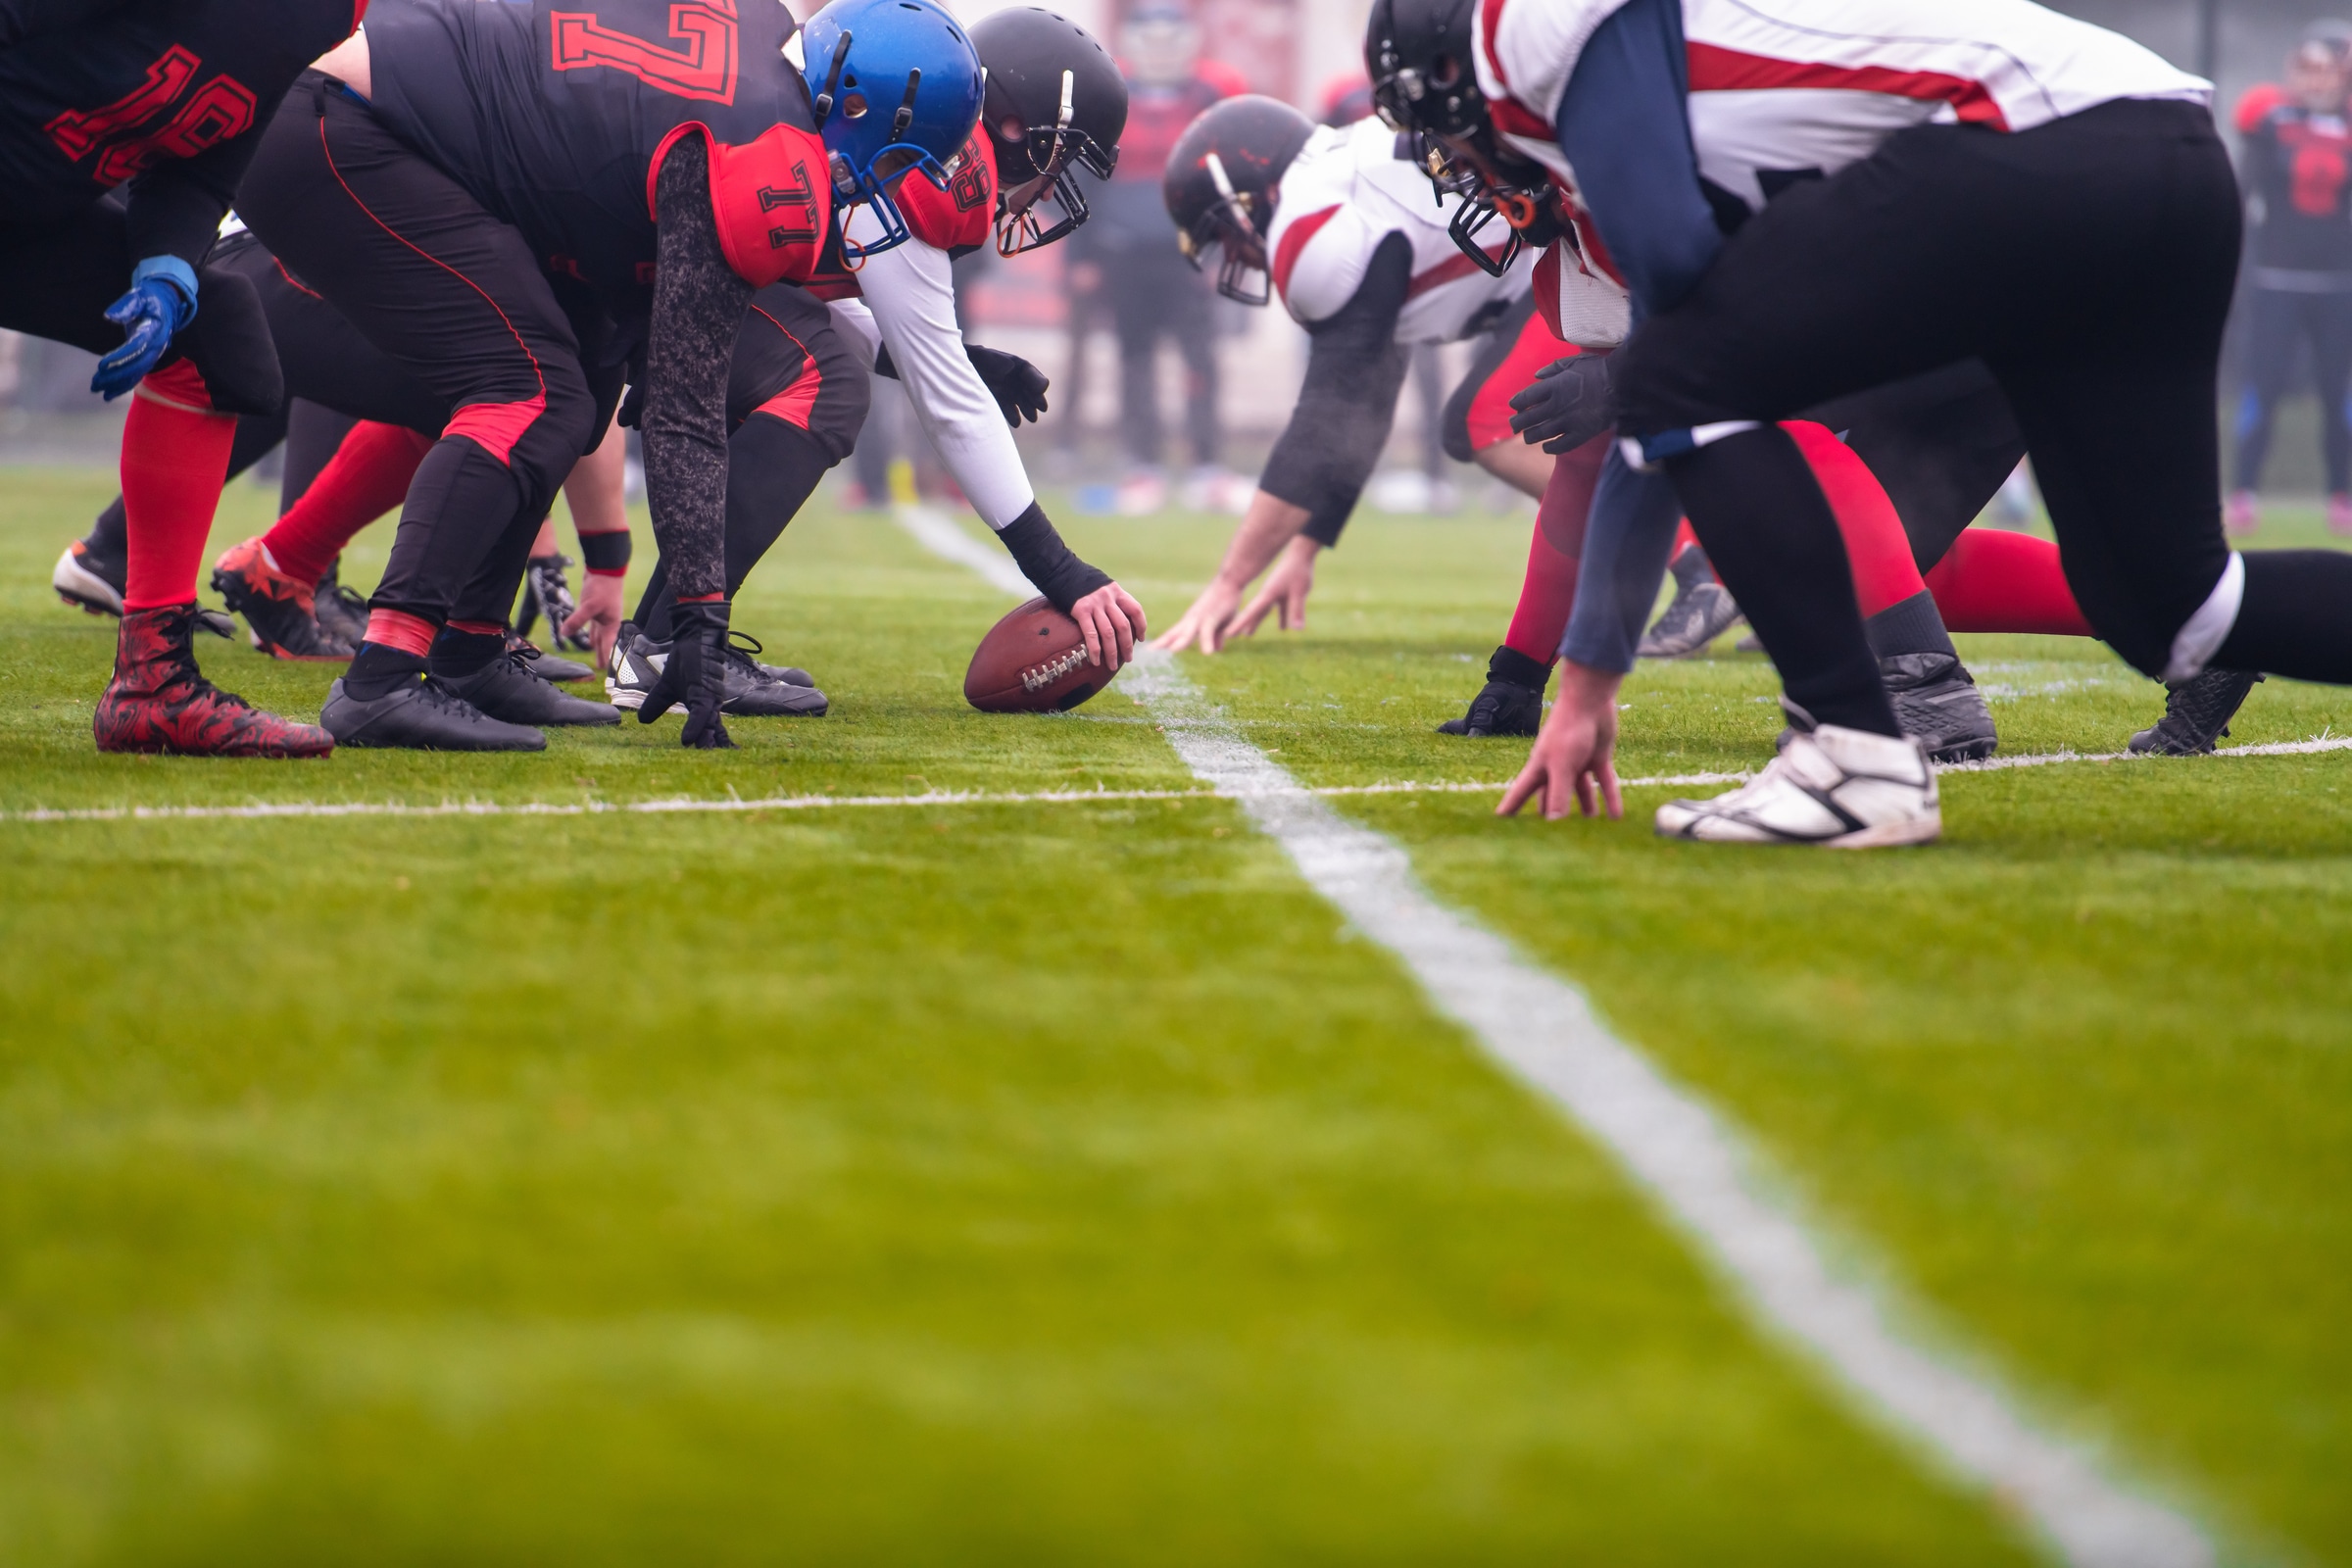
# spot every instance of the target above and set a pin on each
(1039, 1182)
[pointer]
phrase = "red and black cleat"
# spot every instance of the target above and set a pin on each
(282, 610)
(158, 700)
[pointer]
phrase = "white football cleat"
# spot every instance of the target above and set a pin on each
(1838, 788)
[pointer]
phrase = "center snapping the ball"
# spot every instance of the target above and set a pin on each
(1032, 662)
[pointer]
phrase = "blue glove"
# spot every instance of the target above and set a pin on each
(162, 300)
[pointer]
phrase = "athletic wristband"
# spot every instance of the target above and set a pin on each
(176, 273)
(1047, 561)
(605, 553)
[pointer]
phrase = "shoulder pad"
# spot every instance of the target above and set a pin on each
(955, 219)
(771, 198)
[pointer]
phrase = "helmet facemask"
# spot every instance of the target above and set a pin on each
(1053, 151)
(1231, 227)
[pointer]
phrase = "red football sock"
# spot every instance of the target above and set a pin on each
(1547, 592)
(1683, 539)
(174, 462)
(1875, 545)
(368, 476)
(1995, 580)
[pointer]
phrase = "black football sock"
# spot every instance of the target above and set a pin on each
(1912, 625)
(1690, 568)
(1774, 544)
(377, 670)
(459, 654)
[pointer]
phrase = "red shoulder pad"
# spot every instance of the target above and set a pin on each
(2256, 105)
(773, 202)
(958, 218)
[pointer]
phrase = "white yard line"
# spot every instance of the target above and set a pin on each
(825, 802)
(1695, 1163)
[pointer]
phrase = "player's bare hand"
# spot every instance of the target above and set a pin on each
(1207, 623)
(1574, 757)
(1285, 589)
(598, 616)
(1114, 623)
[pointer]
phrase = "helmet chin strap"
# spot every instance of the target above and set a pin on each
(841, 58)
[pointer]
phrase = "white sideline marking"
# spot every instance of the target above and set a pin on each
(1542, 1030)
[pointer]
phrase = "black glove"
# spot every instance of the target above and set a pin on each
(1018, 386)
(695, 675)
(1568, 403)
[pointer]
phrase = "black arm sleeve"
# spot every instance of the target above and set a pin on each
(175, 207)
(1049, 563)
(698, 303)
(1354, 372)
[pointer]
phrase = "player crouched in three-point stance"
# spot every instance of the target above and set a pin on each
(1339, 222)
(1985, 179)
(1054, 104)
(504, 200)
(162, 103)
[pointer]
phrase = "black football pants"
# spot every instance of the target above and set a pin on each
(2089, 263)
(454, 296)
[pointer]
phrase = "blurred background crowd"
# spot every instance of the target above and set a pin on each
(1165, 394)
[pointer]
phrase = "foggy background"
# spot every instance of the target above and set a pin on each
(1295, 50)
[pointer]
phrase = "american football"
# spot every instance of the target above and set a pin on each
(1032, 662)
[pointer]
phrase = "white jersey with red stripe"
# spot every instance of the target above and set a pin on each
(1348, 190)
(1789, 89)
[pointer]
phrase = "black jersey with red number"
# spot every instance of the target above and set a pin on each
(166, 96)
(554, 117)
(2298, 165)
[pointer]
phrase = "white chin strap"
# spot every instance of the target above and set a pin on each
(2203, 634)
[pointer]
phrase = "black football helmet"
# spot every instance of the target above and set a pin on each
(1053, 102)
(1424, 75)
(1221, 184)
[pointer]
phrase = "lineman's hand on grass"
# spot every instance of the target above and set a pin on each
(1286, 589)
(1206, 624)
(1114, 623)
(1574, 756)
(599, 615)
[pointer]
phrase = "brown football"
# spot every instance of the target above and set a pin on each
(1032, 662)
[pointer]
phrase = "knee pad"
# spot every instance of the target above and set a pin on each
(229, 343)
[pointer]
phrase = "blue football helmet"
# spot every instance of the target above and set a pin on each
(886, 76)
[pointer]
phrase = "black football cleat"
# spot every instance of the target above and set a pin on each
(1697, 616)
(341, 612)
(755, 693)
(789, 674)
(1936, 699)
(1512, 703)
(506, 688)
(544, 664)
(422, 716)
(2197, 713)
